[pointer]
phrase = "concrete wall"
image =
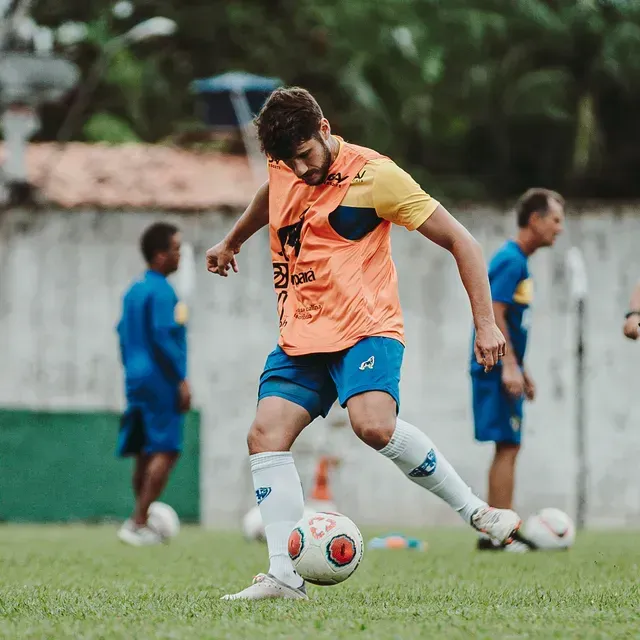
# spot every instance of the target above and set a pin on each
(62, 274)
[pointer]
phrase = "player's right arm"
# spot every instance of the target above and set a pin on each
(222, 256)
(631, 328)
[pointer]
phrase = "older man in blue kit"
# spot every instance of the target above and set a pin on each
(499, 395)
(153, 348)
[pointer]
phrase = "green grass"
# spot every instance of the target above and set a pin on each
(80, 582)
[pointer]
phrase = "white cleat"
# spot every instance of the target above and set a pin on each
(266, 586)
(138, 536)
(516, 547)
(500, 524)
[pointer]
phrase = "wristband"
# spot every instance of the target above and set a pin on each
(631, 313)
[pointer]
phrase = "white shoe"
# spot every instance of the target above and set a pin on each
(516, 547)
(138, 536)
(500, 524)
(265, 586)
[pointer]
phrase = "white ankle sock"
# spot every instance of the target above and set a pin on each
(419, 459)
(279, 494)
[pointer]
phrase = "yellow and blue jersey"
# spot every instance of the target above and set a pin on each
(512, 285)
(381, 191)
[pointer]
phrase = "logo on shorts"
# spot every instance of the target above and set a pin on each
(515, 421)
(368, 364)
(262, 493)
(427, 468)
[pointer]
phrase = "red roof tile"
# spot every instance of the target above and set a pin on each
(138, 176)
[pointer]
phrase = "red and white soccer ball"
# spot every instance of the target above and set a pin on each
(550, 529)
(325, 548)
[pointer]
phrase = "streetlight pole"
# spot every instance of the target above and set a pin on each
(151, 28)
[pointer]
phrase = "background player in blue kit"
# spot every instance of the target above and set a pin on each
(499, 395)
(153, 348)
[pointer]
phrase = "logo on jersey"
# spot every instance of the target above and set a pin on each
(368, 364)
(181, 313)
(335, 179)
(280, 275)
(524, 292)
(427, 468)
(303, 278)
(359, 179)
(262, 493)
(273, 163)
(290, 237)
(306, 313)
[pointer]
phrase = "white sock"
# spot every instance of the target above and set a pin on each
(279, 494)
(419, 459)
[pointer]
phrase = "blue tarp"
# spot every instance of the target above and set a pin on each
(214, 95)
(235, 81)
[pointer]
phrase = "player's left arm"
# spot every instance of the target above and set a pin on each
(443, 229)
(399, 199)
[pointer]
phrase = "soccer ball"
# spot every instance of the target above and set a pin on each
(550, 529)
(325, 548)
(163, 519)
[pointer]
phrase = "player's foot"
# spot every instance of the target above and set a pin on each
(500, 524)
(265, 586)
(487, 544)
(515, 546)
(138, 536)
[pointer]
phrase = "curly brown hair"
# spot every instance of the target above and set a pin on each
(289, 117)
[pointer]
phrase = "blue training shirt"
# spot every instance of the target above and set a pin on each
(511, 284)
(153, 336)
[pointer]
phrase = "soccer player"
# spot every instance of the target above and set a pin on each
(153, 349)
(632, 317)
(498, 395)
(330, 206)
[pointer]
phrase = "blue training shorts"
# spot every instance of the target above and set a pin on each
(315, 381)
(147, 428)
(497, 415)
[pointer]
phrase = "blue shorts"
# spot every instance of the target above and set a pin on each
(315, 381)
(497, 415)
(148, 429)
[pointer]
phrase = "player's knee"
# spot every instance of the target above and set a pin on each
(264, 436)
(373, 418)
(376, 432)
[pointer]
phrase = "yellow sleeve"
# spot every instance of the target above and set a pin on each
(398, 198)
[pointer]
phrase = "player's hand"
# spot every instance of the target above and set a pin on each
(631, 328)
(184, 396)
(513, 380)
(490, 346)
(221, 258)
(529, 387)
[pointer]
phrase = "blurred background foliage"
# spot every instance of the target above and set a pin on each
(477, 98)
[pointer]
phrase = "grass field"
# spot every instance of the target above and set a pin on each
(80, 582)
